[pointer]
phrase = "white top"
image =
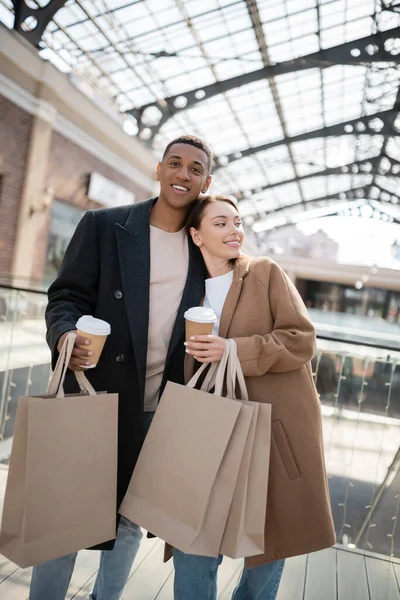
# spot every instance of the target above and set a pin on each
(217, 289)
(169, 262)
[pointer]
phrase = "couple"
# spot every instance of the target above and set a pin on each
(135, 267)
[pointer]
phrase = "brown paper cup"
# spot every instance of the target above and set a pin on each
(96, 346)
(195, 328)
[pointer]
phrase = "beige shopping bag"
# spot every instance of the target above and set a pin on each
(61, 488)
(208, 540)
(244, 531)
(183, 483)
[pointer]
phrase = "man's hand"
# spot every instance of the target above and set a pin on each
(206, 348)
(80, 359)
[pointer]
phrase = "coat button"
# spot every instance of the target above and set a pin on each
(118, 294)
(120, 358)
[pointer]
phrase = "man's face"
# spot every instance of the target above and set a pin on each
(183, 175)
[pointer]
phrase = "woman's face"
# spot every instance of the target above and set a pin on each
(220, 234)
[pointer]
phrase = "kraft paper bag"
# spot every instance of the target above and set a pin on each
(245, 526)
(61, 488)
(183, 483)
(208, 541)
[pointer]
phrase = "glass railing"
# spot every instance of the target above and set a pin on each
(24, 354)
(359, 387)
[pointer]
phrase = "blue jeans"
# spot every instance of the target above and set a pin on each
(196, 578)
(51, 579)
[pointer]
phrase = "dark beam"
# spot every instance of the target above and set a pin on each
(360, 126)
(343, 196)
(390, 125)
(335, 212)
(370, 49)
(384, 191)
(392, 5)
(32, 22)
(256, 22)
(342, 170)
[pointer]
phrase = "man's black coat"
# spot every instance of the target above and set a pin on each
(105, 273)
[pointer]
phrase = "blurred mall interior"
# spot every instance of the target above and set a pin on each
(299, 101)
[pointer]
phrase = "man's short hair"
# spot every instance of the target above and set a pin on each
(192, 140)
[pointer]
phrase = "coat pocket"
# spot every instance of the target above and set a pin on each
(285, 449)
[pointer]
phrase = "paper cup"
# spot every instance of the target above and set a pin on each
(199, 321)
(96, 331)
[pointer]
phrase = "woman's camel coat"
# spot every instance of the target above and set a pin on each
(265, 315)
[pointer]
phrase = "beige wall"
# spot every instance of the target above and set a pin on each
(320, 270)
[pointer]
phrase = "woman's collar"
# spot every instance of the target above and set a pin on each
(242, 267)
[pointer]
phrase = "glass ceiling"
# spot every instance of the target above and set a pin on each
(140, 52)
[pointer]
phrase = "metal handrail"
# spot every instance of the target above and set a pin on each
(5, 286)
(355, 342)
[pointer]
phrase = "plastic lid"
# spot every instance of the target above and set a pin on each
(89, 324)
(200, 314)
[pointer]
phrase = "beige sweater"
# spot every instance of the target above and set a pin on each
(169, 260)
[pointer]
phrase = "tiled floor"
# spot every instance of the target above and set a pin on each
(333, 574)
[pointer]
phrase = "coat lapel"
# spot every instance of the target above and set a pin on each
(240, 271)
(133, 239)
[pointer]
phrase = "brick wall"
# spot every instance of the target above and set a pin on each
(68, 170)
(15, 132)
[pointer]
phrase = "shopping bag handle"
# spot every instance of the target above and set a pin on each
(56, 385)
(227, 369)
(235, 374)
(209, 380)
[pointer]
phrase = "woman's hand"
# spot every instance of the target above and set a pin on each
(206, 348)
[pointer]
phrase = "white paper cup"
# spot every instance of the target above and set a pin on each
(95, 330)
(199, 321)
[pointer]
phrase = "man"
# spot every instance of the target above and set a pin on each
(131, 266)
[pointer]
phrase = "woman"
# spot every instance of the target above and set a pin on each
(259, 307)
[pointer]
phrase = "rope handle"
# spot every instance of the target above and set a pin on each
(227, 369)
(56, 385)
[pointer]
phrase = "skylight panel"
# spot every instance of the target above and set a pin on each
(294, 6)
(271, 10)
(357, 9)
(359, 28)
(194, 7)
(132, 74)
(333, 36)
(287, 193)
(331, 16)
(276, 31)
(303, 23)
(305, 45)
(69, 15)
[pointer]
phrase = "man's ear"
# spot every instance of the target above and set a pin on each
(207, 184)
(158, 172)
(195, 236)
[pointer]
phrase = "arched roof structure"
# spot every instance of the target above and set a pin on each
(298, 99)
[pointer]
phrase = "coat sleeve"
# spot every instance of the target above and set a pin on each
(74, 292)
(292, 341)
